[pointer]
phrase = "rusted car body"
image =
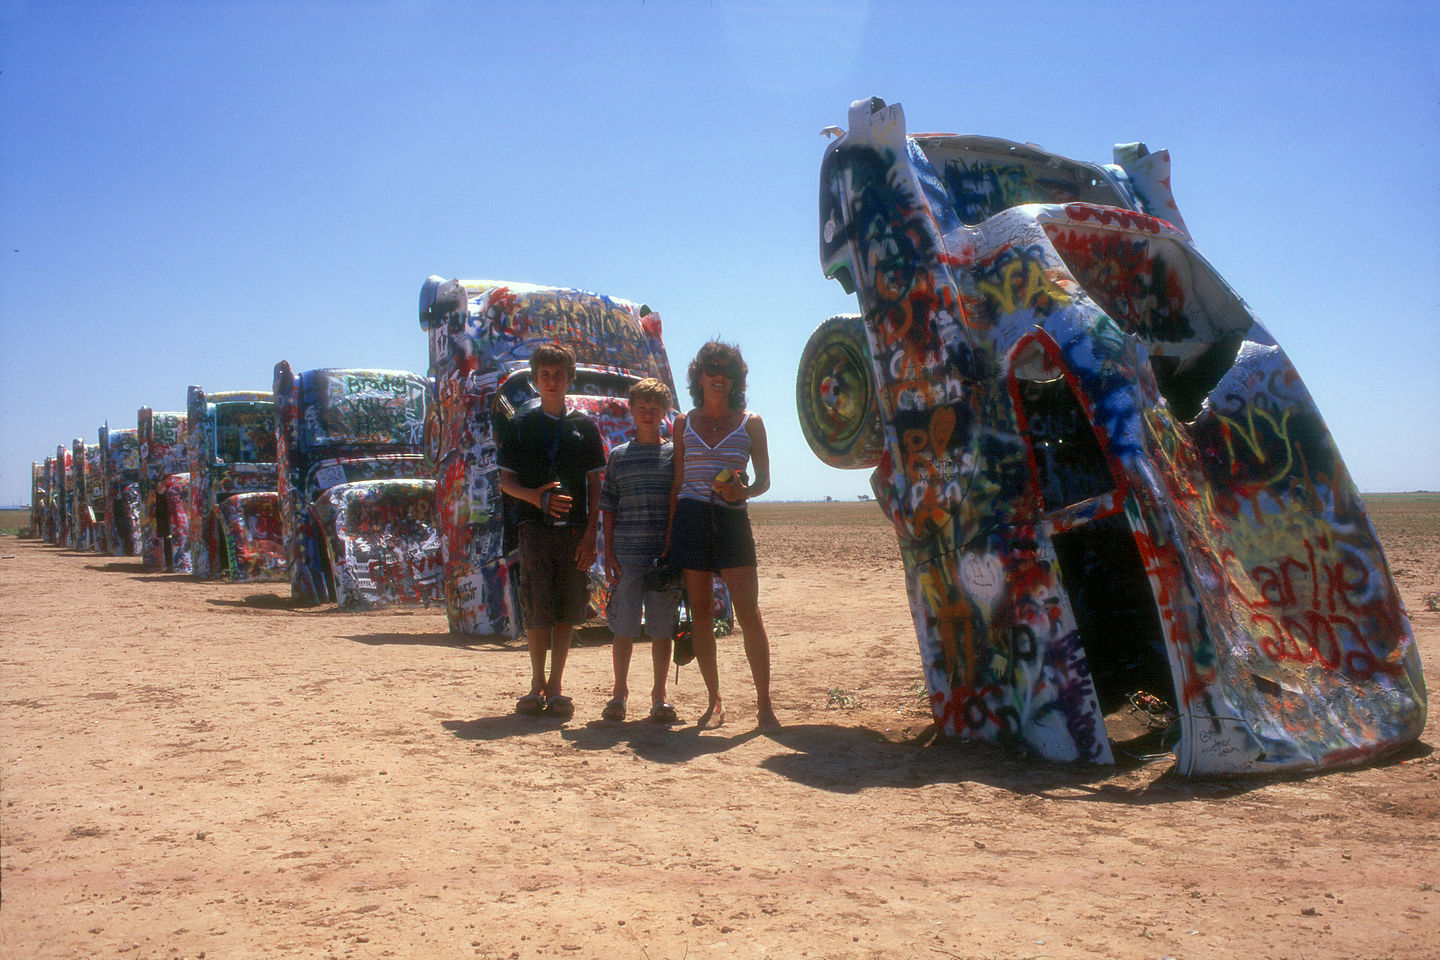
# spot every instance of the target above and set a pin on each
(1111, 488)
(482, 334)
(232, 451)
(336, 427)
(120, 489)
(164, 522)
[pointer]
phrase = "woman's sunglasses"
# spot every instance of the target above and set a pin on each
(717, 370)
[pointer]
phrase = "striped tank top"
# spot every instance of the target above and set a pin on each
(703, 462)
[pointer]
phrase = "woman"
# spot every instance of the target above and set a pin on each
(709, 530)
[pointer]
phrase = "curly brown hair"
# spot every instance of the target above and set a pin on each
(727, 356)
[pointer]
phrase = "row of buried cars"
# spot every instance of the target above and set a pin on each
(1113, 495)
(366, 488)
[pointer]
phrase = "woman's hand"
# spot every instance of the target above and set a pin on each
(733, 490)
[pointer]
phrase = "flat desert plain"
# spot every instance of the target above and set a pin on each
(205, 770)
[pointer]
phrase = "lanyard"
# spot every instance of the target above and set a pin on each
(551, 432)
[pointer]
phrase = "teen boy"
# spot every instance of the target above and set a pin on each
(552, 461)
(636, 502)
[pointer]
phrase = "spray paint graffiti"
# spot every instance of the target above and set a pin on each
(254, 536)
(384, 543)
(48, 531)
(1105, 475)
(86, 534)
(334, 427)
(62, 487)
(232, 451)
(39, 491)
(120, 481)
(174, 493)
(482, 334)
(163, 452)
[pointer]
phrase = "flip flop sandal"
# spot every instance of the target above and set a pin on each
(530, 705)
(614, 710)
(562, 708)
(663, 713)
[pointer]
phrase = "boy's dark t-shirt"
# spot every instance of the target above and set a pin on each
(539, 448)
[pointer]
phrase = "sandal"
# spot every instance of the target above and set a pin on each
(663, 713)
(614, 710)
(562, 708)
(530, 705)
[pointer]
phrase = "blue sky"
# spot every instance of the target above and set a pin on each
(190, 192)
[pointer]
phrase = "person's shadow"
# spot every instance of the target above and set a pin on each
(656, 742)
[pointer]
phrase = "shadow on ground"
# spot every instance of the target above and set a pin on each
(655, 742)
(459, 641)
(851, 759)
(476, 641)
(263, 601)
(117, 566)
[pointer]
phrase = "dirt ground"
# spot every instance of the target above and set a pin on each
(201, 770)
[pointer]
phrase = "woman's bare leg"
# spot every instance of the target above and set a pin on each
(744, 586)
(700, 588)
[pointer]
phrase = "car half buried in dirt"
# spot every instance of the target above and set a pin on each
(482, 334)
(1121, 516)
(232, 452)
(87, 506)
(350, 439)
(164, 503)
(120, 483)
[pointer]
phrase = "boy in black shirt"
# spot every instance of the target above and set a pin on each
(552, 460)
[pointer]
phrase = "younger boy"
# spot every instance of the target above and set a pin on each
(636, 502)
(552, 460)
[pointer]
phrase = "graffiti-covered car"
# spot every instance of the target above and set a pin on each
(120, 488)
(482, 334)
(88, 532)
(50, 515)
(164, 521)
(1112, 491)
(383, 541)
(39, 492)
(232, 451)
(254, 535)
(62, 490)
(340, 426)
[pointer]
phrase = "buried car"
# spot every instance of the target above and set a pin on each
(87, 531)
(482, 334)
(232, 451)
(336, 427)
(120, 484)
(39, 493)
(164, 516)
(60, 494)
(383, 541)
(1112, 490)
